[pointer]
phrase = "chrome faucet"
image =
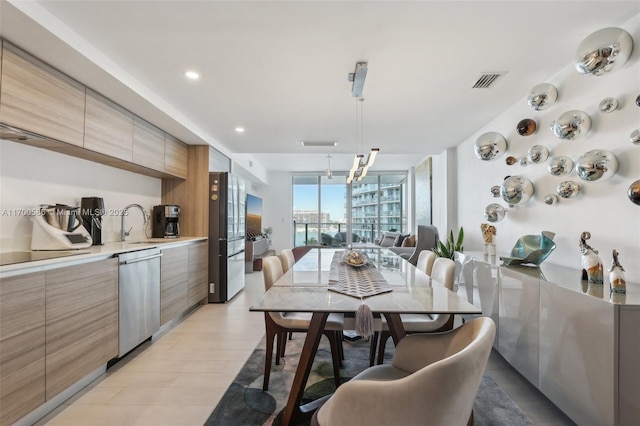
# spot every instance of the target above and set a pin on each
(123, 233)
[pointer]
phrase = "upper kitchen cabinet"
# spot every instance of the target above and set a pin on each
(108, 128)
(148, 145)
(176, 156)
(37, 98)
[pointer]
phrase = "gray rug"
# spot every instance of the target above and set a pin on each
(244, 403)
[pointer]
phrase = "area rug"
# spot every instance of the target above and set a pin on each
(244, 403)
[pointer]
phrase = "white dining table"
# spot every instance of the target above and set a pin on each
(306, 288)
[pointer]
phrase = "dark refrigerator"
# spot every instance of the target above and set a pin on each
(227, 200)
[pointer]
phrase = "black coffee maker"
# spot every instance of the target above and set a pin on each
(166, 221)
(91, 212)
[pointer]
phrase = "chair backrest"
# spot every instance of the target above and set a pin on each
(434, 379)
(271, 271)
(300, 251)
(443, 272)
(426, 238)
(287, 259)
(425, 261)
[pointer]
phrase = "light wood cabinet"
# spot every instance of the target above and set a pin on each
(175, 156)
(22, 345)
(40, 99)
(198, 272)
(148, 145)
(174, 277)
(108, 128)
(81, 322)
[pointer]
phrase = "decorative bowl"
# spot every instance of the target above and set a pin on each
(355, 258)
(532, 249)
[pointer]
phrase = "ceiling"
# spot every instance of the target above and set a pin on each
(279, 68)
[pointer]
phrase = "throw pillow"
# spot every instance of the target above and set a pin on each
(399, 239)
(388, 239)
(410, 241)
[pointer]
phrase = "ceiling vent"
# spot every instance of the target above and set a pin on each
(319, 143)
(488, 79)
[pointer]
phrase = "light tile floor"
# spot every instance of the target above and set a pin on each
(179, 378)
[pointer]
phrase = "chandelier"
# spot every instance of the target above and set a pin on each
(360, 163)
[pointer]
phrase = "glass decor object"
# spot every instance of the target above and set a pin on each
(550, 199)
(542, 96)
(526, 127)
(531, 249)
(494, 213)
(561, 165)
(634, 137)
(597, 164)
(571, 125)
(495, 191)
(592, 269)
(634, 192)
(537, 154)
(608, 105)
(568, 189)
(490, 146)
(516, 190)
(603, 51)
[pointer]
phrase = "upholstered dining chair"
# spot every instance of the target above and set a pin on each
(426, 238)
(278, 324)
(287, 259)
(425, 261)
(432, 380)
(442, 273)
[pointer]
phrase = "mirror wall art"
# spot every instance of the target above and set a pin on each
(571, 125)
(603, 51)
(542, 96)
(597, 164)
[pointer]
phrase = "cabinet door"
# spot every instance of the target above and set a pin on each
(108, 128)
(174, 276)
(148, 145)
(175, 157)
(198, 272)
(81, 321)
(40, 99)
(486, 291)
(22, 345)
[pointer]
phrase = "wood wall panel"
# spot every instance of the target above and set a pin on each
(40, 99)
(81, 322)
(22, 345)
(198, 272)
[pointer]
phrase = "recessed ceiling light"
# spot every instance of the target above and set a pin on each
(240, 129)
(192, 75)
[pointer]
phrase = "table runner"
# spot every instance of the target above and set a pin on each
(362, 281)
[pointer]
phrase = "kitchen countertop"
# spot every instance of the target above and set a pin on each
(93, 253)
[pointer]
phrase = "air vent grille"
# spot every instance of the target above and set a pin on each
(488, 79)
(319, 143)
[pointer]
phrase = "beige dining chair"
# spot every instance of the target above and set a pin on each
(433, 379)
(278, 324)
(287, 259)
(425, 261)
(442, 273)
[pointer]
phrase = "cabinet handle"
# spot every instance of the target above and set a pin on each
(142, 259)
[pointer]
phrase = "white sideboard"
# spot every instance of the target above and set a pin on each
(578, 344)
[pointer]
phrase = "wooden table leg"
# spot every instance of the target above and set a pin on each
(396, 329)
(292, 410)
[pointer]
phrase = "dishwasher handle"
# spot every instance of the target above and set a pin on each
(141, 259)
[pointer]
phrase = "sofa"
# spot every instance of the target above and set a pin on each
(426, 239)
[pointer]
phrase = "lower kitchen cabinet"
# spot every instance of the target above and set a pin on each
(174, 282)
(198, 272)
(22, 345)
(81, 321)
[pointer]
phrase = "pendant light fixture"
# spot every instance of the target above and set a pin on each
(328, 171)
(360, 164)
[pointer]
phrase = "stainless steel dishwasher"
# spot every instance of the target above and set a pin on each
(139, 297)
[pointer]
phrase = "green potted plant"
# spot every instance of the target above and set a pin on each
(451, 246)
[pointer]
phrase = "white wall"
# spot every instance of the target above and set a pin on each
(277, 202)
(601, 208)
(31, 176)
